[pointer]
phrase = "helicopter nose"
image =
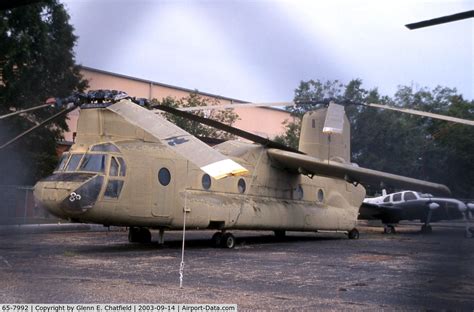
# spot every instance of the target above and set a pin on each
(65, 198)
(84, 197)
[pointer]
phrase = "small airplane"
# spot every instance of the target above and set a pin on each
(411, 205)
(131, 167)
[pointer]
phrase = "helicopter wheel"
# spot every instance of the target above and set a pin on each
(228, 241)
(280, 234)
(139, 235)
(217, 239)
(353, 234)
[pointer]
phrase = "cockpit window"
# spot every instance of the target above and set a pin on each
(106, 147)
(409, 196)
(123, 167)
(93, 162)
(114, 167)
(397, 197)
(62, 162)
(74, 162)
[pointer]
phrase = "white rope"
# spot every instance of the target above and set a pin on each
(181, 266)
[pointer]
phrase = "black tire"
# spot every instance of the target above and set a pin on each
(426, 229)
(280, 234)
(228, 241)
(139, 235)
(389, 229)
(217, 239)
(133, 234)
(145, 236)
(353, 234)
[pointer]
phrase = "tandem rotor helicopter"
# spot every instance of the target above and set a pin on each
(131, 167)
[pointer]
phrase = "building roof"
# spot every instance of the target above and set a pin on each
(162, 84)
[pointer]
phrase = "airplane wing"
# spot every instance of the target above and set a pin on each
(310, 165)
(208, 159)
(389, 214)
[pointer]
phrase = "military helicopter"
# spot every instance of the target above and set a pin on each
(131, 167)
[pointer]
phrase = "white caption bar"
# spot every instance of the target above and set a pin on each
(117, 307)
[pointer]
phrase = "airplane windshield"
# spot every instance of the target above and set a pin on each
(93, 162)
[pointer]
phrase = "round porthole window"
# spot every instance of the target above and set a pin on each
(241, 186)
(298, 193)
(320, 195)
(206, 181)
(164, 176)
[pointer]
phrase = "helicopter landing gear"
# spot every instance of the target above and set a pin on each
(161, 237)
(224, 240)
(280, 234)
(216, 239)
(139, 235)
(389, 229)
(228, 241)
(353, 234)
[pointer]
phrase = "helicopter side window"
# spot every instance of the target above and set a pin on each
(386, 199)
(62, 162)
(114, 187)
(93, 162)
(73, 162)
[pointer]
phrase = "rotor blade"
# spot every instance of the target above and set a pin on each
(6, 5)
(43, 123)
(441, 20)
(24, 111)
(183, 143)
(424, 114)
(221, 126)
(239, 105)
(334, 121)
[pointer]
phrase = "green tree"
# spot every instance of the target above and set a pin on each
(307, 96)
(36, 62)
(194, 99)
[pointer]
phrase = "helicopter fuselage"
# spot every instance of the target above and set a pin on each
(117, 174)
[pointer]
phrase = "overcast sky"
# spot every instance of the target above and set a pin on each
(260, 50)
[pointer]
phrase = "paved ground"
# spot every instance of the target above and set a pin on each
(306, 271)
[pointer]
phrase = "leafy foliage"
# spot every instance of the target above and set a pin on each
(36, 62)
(399, 143)
(194, 99)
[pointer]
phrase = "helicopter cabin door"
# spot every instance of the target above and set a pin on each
(164, 190)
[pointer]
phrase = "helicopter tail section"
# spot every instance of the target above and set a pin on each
(325, 134)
